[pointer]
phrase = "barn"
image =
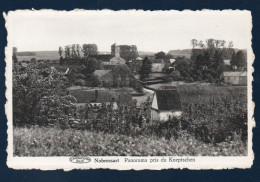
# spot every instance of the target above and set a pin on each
(166, 104)
(235, 77)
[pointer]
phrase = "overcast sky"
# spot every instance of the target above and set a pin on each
(149, 31)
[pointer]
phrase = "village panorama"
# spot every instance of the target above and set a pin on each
(77, 101)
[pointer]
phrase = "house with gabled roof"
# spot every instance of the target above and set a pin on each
(166, 104)
(234, 77)
(157, 65)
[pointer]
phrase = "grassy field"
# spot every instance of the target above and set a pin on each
(196, 93)
(40, 141)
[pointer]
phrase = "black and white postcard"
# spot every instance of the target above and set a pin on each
(129, 89)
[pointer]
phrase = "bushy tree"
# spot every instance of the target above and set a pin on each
(127, 52)
(90, 66)
(89, 50)
(39, 96)
(239, 60)
(146, 69)
(160, 55)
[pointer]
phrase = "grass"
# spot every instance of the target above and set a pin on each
(41, 141)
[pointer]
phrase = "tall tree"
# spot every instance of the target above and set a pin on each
(160, 55)
(90, 66)
(194, 43)
(127, 52)
(89, 50)
(239, 60)
(78, 48)
(230, 44)
(73, 51)
(14, 57)
(60, 51)
(67, 52)
(146, 69)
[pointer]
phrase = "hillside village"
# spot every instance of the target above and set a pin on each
(199, 93)
(145, 87)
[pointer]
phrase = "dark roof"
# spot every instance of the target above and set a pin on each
(89, 96)
(156, 60)
(120, 69)
(168, 99)
(102, 57)
(167, 61)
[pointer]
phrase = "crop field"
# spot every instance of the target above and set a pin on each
(40, 141)
(214, 123)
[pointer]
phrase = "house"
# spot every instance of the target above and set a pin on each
(115, 75)
(139, 58)
(157, 65)
(166, 104)
(105, 76)
(98, 96)
(172, 60)
(167, 63)
(94, 97)
(227, 62)
(234, 77)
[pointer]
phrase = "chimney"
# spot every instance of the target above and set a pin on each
(96, 95)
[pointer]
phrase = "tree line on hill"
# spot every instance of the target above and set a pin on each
(206, 62)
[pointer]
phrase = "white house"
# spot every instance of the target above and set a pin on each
(157, 65)
(166, 104)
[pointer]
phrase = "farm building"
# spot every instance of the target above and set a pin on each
(157, 65)
(235, 77)
(97, 97)
(105, 76)
(115, 75)
(166, 104)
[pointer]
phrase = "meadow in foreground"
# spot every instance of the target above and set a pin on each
(42, 141)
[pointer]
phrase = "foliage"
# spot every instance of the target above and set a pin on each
(146, 69)
(14, 56)
(160, 55)
(239, 60)
(89, 49)
(214, 123)
(127, 52)
(208, 60)
(39, 96)
(90, 66)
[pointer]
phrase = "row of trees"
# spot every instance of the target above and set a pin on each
(75, 54)
(75, 51)
(207, 60)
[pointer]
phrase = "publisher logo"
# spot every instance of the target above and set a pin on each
(80, 160)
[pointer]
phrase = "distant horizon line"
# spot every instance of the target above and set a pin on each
(137, 51)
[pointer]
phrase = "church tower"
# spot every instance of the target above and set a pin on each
(117, 50)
